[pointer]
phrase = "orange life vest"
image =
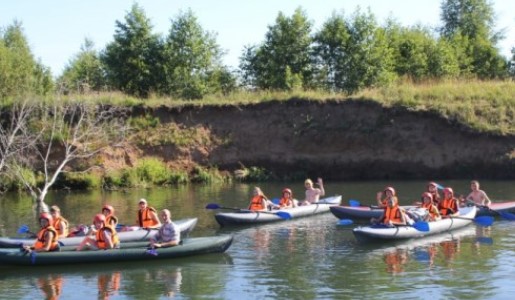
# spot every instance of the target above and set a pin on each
(144, 218)
(392, 214)
(57, 226)
(284, 202)
(40, 241)
(101, 242)
(257, 203)
(431, 210)
(448, 206)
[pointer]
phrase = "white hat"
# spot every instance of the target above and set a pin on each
(142, 200)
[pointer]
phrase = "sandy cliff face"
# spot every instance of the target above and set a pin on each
(336, 140)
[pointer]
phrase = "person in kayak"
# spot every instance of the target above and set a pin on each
(108, 212)
(432, 209)
(105, 236)
(147, 216)
(59, 223)
(477, 196)
(259, 201)
(449, 204)
(169, 234)
(383, 197)
(46, 238)
(313, 194)
(432, 188)
(393, 214)
(287, 200)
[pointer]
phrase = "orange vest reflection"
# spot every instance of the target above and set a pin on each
(51, 286)
(450, 249)
(108, 284)
(395, 260)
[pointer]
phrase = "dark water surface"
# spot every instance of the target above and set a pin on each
(306, 258)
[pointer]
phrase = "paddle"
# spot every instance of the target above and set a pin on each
(25, 229)
(281, 214)
(421, 226)
(354, 203)
(481, 220)
(344, 222)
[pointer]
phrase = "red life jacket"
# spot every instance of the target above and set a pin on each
(144, 218)
(448, 206)
(392, 214)
(284, 202)
(100, 237)
(40, 241)
(257, 203)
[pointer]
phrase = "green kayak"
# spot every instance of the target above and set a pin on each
(127, 252)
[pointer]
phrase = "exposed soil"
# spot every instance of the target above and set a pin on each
(336, 140)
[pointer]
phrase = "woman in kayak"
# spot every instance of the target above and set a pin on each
(477, 196)
(392, 215)
(449, 205)
(147, 216)
(59, 223)
(108, 212)
(313, 194)
(383, 197)
(432, 188)
(46, 238)
(427, 203)
(104, 238)
(169, 234)
(259, 201)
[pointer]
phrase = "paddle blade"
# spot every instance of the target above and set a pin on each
(275, 201)
(23, 229)
(421, 226)
(484, 220)
(354, 203)
(507, 215)
(344, 222)
(283, 215)
(212, 206)
(485, 240)
(439, 186)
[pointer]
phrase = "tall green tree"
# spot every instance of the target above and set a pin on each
(84, 71)
(192, 61)
(133, 59)
(472, 22)
(355, 52)
(283, 61)
(20, 73)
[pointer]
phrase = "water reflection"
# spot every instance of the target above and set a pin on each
(108, 284)
(51, 285)
(396, 260)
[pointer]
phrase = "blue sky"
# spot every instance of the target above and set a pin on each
(56, 29)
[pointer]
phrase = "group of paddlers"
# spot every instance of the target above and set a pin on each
(104, 232)
(435, 206)
(260, 202)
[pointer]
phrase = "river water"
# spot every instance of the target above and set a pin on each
(305, 258)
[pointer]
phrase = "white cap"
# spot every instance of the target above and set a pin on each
(142, 200)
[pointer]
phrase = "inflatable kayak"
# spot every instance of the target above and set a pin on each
(186, 225)
(496, 208)
(359, 212)
(381, 233)
(189, 247)
(246, 217)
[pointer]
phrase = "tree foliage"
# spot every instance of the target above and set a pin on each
(192, 61)
(84, 72)
(133, 59)
(20, 73)
(470, 24)
(283, 61)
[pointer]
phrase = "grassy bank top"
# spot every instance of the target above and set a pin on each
(484, 106)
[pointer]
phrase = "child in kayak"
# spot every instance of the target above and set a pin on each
(259, 201)
(105, 236)
(427, 203)
(392, 215)
(477, 196)
(449, 205)
(313, 194)
(383, 197)
(59, 223)
(46, 238)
